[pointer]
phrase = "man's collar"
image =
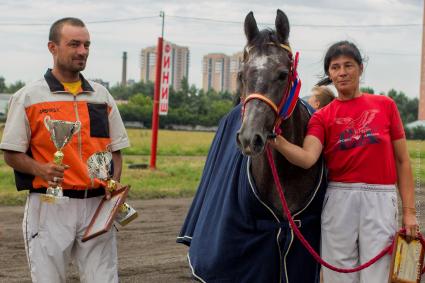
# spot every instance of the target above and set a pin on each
(56, 86)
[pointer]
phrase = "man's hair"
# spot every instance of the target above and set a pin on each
(323, 94)
(55, 29)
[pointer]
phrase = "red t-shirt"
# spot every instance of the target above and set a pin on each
(357, 137)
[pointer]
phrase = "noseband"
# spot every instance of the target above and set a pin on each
(289, 99)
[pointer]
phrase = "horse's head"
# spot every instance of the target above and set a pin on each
(263, 80)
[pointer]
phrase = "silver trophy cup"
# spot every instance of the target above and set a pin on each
(99, 165)
(61, 133)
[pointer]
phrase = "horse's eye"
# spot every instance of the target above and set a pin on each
(282, 75)
(240, 76)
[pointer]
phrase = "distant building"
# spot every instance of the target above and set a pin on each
(102, 82)
(130, 82)
(235, 64)
(148, 63)
(216, 72)
(220, 71)
(124, 69)
(180, 58)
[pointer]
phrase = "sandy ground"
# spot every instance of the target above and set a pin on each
(147, 247)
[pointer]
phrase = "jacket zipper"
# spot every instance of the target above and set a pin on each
(79, 132)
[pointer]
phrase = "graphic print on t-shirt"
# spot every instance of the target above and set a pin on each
(357, 132)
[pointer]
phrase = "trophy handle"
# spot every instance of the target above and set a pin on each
(47, 122)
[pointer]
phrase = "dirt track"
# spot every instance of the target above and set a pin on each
(147, 247)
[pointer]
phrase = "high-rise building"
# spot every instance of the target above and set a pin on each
(235, 64)
(220, 71)
(216, 72)
(180, 57)
(148, 63)
(421, 114)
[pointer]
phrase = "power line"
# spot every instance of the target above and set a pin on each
(88, 22)
(199, 19)
(299, 25)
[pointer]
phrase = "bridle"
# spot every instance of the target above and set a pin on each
(289, 99)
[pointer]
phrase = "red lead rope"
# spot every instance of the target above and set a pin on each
(386, 250)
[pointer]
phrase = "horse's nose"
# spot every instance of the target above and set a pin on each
(257, 143)
(250, 144)
(243, 143)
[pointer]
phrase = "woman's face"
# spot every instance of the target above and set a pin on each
(345, 74)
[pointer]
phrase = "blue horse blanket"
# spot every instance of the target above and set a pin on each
(232, 235)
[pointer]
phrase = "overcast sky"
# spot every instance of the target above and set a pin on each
(388, 32)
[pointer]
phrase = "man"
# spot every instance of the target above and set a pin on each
(53, 231)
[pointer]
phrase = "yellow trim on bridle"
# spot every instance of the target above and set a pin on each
(284, 46)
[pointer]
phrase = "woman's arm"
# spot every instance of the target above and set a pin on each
(305, 156)
(405, 186)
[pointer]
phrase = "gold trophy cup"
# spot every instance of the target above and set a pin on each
(99, 165)
(61, 133)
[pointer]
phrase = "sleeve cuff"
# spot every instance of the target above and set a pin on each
(120, 145)
(13, 147)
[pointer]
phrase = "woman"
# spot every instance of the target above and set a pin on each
(320, 97)
(365, 149)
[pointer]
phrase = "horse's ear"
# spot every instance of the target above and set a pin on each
(250, 25)
(282, 26)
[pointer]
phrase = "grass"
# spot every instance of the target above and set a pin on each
(174, 177)
(174, 143)
(180, 161)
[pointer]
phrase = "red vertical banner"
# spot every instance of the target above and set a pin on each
(156, 97)
(165, 78)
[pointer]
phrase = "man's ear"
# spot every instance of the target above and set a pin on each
(361, 69)
(52, 47)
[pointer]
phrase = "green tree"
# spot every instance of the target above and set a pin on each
(15, 87)
(408, 108)
(367, 89)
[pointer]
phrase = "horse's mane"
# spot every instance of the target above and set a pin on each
(265, 37)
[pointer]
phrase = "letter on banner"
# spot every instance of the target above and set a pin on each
(165, 78)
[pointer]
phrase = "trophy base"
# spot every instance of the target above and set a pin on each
(54, 196)
(126, 214)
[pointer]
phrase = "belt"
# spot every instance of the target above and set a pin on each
(85, 193)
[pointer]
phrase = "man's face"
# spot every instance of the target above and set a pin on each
(70, 55)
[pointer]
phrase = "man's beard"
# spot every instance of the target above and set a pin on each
(72, 67)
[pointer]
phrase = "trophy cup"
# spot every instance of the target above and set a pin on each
(99, 165)
(61, 133)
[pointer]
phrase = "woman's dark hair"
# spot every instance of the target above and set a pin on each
(342, 48)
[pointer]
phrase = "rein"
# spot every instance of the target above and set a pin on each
(316, 256)
(289, 98)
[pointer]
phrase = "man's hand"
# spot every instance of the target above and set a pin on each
(52, 173)
(112, 185)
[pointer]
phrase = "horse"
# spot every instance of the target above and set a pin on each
(235, 229)
(265, 71)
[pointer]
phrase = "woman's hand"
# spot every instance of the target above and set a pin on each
(305, 156)
(410, 223)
